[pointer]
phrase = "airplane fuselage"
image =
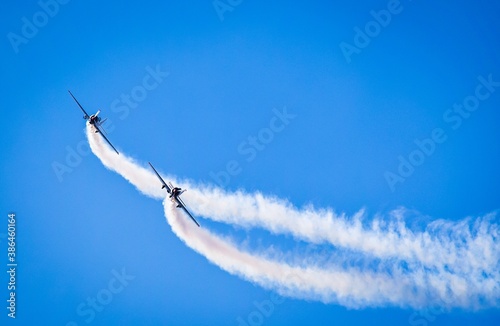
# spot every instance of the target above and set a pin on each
(176, 191)
(93, 119)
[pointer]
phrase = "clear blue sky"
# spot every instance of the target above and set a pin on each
(356, 114)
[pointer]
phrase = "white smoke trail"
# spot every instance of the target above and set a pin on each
(348, 287)
(442, 244)
(448, 264)
(125, 166)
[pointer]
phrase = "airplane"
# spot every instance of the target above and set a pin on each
(94, 120)
(174, 192)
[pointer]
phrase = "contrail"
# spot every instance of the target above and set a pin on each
(348, 287)
(442, 244)
(450, 264)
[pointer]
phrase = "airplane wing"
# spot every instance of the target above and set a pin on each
(177, 198)
(165, 185)
(183, 206)
(106, 139)
(81, 107)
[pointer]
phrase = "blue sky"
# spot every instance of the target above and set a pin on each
(219, 81)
